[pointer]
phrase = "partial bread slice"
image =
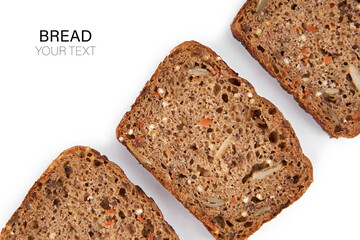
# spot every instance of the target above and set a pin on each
(223, 151)
(313, 49)
(82, 195)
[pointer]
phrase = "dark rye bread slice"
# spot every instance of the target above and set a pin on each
(313, 49)
(82, 195)
(223, 151)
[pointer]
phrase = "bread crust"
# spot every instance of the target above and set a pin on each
(265, 61)
(128, 143)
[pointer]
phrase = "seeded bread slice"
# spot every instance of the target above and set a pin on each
(227, 154)
(312, 48)
(82, 195)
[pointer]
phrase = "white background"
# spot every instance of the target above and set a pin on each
(48, 104)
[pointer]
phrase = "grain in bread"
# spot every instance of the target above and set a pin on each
(313, 49)
(227, 154)
(82, 195)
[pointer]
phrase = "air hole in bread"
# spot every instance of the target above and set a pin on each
(148, 228)
(34, 224)
(338, 129)
(97, 163)
(203, 171)
(131, 228)
(274, 137)
(180, 127)
(220, 221)
(217, 89)
(249, 156)
(260, 48)
(234, 81)
(236, 113)
(256, 167)
(261, 124)
(282, 145)
(105, 204)
(229, 223)
(241, 219)
(39, 186)
(193, 147)
(248, 224)
(225, 97)
(272, 111)
(57, 202)
(219, 110)
(68, 171)
(276, 70)
(122, 192)
(296, 179)
(255, 113)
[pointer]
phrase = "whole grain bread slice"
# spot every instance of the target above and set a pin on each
(82, 195)
(313, 49)
(227, 154)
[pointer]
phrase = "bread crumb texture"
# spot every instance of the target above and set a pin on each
(82, 195)
(312, 48)
(227, 154)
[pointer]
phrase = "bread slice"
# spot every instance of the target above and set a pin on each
(313, 49)
(227, 154)
(82, 195)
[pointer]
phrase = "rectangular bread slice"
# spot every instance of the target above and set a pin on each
(227, 154)
(313, 49)
(82, 195)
